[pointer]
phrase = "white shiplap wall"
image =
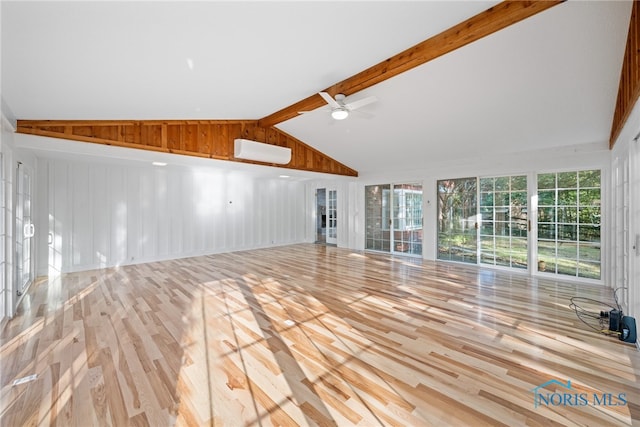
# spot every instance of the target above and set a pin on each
(104, 214)
(624, 245)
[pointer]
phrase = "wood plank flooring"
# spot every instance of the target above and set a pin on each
(311, 335)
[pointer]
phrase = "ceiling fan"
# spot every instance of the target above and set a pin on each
(340, 109)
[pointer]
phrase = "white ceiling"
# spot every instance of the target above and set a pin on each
(548, 81)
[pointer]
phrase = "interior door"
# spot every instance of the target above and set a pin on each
(332, 216)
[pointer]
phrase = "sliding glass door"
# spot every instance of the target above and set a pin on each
(569, 223)
(504, 222)
(458, 220)
(393, 218)
(407, 218)
(487, 221)
(493, 231)
(377, 218)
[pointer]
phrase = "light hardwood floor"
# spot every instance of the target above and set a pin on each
(310, 335)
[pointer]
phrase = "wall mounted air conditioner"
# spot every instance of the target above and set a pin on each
(252, 150)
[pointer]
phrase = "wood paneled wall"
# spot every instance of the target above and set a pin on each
(629, 89)
(201, 138)
(98, 215)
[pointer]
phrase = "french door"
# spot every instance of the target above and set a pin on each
(332, 216)
(24, 230)
(393, 218)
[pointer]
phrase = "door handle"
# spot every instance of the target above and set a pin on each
(28, 230)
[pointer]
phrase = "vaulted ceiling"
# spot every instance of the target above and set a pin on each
(550, 80)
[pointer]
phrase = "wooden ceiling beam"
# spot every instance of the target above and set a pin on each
(485, 23)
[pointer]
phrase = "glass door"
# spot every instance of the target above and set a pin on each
(377, 218)
(332, 217)
(504, 222)
(458, 220)
(24, 230)
(569, 223)
(393, 218)
(407, 218)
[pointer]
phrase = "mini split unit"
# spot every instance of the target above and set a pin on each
(259, 152)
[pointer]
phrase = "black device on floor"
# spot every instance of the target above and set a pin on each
(614, 320)
(628, 329)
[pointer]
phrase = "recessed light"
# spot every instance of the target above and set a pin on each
(159, 164)
(285, 176)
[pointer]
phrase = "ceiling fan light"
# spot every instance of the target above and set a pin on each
(339, 113)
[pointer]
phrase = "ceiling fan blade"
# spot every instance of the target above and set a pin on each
(363, 114)
(361, 103)
(332, 102)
